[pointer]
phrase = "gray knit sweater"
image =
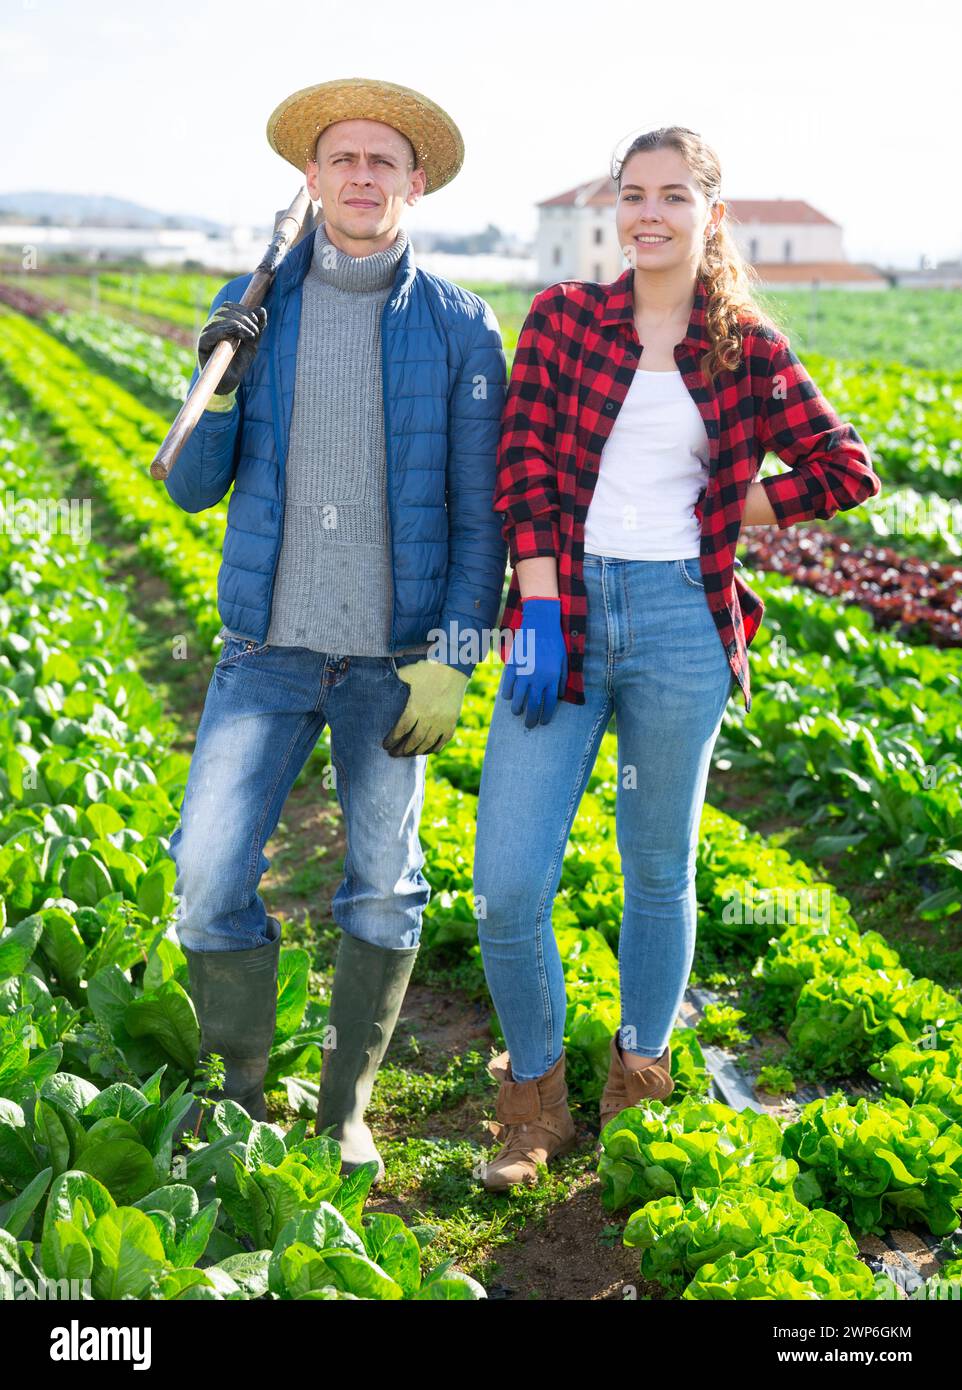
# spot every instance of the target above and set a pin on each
(333, 591)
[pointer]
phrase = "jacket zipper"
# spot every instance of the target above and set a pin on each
(388, 303)
(281, 468)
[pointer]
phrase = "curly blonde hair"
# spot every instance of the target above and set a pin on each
(730, 280)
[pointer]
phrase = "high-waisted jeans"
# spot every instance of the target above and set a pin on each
(265, 709)
(654, 657)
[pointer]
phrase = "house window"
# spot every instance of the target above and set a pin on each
(557, 255)
(788, 250)
(753, 249)
(597, 270)
(599, 235)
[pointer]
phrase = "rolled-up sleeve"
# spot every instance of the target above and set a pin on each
(526, 489)
(830, 468)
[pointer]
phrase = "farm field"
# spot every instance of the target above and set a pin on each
(812, 1147)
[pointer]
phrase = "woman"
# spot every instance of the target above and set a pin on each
(637, 416)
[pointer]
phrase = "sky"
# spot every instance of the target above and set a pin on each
(847, 104)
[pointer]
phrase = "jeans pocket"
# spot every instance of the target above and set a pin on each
(236, 648)
(690, 571)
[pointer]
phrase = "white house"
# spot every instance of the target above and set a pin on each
(787, 241)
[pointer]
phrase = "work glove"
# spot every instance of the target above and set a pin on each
(232, 320)
(221, 404)
(430, 716)
(536, 670)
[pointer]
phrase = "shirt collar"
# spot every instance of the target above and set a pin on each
(297, 263)
(359, 273)
(619, 308)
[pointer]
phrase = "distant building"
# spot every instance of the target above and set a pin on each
(156, 246)
(787, 241)
(945, 275)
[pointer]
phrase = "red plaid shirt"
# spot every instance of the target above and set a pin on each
(572, 369)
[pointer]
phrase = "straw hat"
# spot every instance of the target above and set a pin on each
(293, 127)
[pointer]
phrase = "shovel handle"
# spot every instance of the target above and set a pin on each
(285, 235)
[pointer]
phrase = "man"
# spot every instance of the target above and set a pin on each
(358, 423)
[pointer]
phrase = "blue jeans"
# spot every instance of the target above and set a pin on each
(264, 712)
(653, 656)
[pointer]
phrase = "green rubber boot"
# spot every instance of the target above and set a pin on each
(369, 987)
(235, 997)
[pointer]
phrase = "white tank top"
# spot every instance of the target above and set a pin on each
(653, 465)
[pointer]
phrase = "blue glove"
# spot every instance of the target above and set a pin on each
(537, 668)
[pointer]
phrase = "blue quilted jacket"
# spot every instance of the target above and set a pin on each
(443, 372)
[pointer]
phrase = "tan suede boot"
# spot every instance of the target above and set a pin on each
(534, 1124)
(626, 1087)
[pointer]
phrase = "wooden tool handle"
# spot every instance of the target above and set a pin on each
(285, 235)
